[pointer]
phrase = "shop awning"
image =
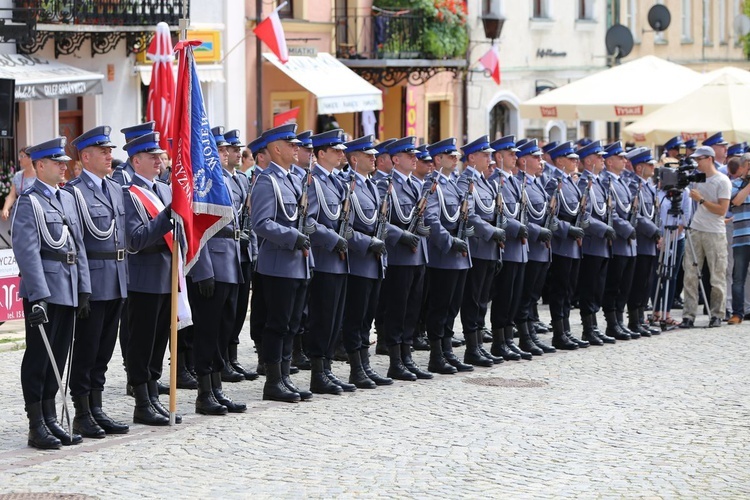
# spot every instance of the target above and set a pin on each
(337, 88)
(206, 73)
(38, 78)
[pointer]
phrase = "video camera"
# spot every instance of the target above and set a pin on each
(677, 179)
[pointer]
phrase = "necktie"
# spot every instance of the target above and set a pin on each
(413, 186)
(290, 176)
(369, 185)
(153, 188)
(105, 190)
(57, 195)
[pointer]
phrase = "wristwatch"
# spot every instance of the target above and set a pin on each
(702, 201)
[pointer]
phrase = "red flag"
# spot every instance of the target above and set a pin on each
(161, 89)
(272, 33)
(286, 117)
(491, 62)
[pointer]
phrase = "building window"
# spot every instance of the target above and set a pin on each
(499, 121)
(722, 21)
(631, 15)
(287, 11)
(586, 10)
(687, 20)
(708, 35)
(540, 9)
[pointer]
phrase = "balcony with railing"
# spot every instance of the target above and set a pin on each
(388, 47)
(69, 23)
(99, 12)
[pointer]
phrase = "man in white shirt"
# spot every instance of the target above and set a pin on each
(707, 233)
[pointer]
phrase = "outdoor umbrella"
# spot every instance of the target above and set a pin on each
(720, 105)
(623, 92)
(161, 90)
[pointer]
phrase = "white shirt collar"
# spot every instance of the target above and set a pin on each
(97, 180)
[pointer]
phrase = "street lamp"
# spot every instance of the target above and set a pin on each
(493, 25)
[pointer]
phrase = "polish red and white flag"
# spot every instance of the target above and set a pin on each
(491, 63)
(271, 33)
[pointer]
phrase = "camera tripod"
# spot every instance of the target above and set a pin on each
(667, 262)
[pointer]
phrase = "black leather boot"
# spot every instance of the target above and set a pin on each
(581, 343)
(411, 365)
(274, 389)
(153, 395)
(161, 388)
(339, 354)
(232, 407)
(472, 356)
(333, 378)
(546, 349)
(525, 343)
(509, 332)
(484, 352)
(40, 436)
(232, 356)
(357, 375)
(633, 335)
(420, 341)
(613, 327)
(642, 321)
(229, 374)
(364, 355)
(438, 363)
(559, 339)
(105, 422)
(205, 402)
(144, 412)
(261, 369)
(83, 423)
(50, 418)
(396, 369)
(634, 324)
(189, 362)
(299, 358)
(589, 335)
(602, 335)
(185, 379)
(286, 369)
(451, 358)
(381, 347)
(486, 335)
(500, 348)
(319, 382)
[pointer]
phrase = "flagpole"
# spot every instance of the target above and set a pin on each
(184, 23)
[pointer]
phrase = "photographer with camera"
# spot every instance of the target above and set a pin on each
(712, 198)
(740, 207)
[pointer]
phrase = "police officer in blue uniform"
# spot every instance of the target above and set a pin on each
(284, 258)
(327, 290)
(672, 146)
(449, 257)
(484, 245)
(48, 246)
(596, 245)
(367, 264)
(383, 171)
(100, 205)
(720, 147)
(622, 261)
(407, 257)
(305, 159)
(123, 174)
(147, 227)
(566, 252)
(508, 283)
(257, 310)
(648, 235)
(537, 206)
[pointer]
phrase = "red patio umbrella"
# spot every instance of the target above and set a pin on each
(161, 90)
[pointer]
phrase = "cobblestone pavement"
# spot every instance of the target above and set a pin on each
(665, 417)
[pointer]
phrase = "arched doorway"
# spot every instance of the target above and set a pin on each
(556, 131)
(499, 120)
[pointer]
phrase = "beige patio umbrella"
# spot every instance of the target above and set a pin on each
(720, 105)
(623, 92)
